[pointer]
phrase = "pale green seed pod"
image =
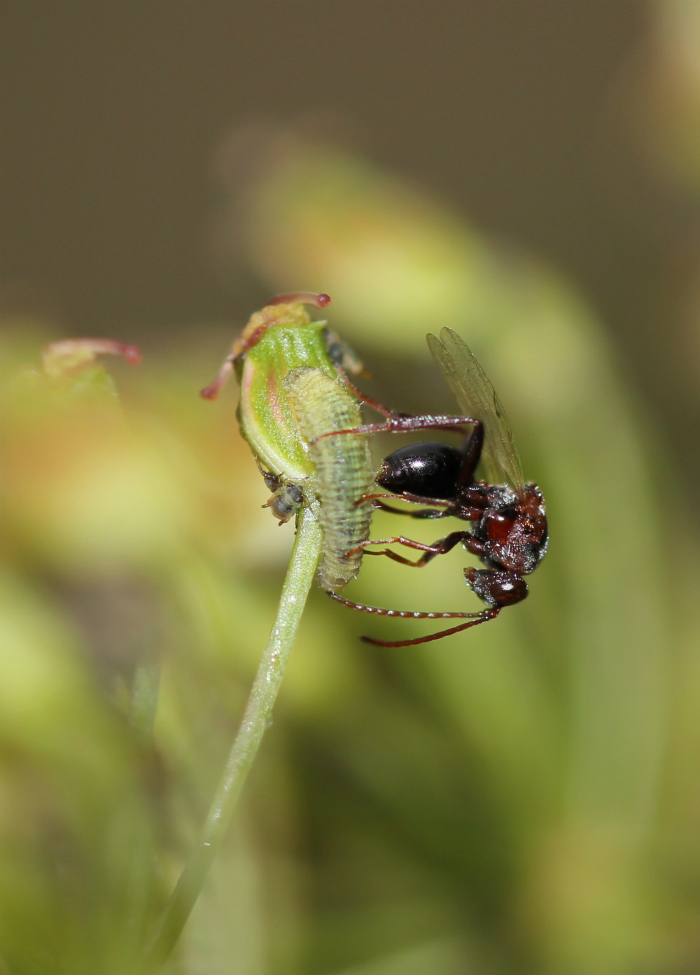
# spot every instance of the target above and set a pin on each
(293, 390)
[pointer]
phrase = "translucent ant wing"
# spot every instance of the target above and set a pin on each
(477, 397)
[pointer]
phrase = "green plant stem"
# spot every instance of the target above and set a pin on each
(300, 575)
(142, 712)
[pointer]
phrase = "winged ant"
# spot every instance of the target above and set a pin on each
(508, 518)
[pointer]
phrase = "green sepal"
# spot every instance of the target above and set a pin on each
(265, 414)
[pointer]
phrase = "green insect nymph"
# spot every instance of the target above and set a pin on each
(343, 469)
(293, 390)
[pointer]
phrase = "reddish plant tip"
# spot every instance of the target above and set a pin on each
(301, 298)
(132, 354)
(213, 390)
(66, 354)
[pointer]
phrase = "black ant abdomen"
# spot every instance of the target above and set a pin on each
(430, 469)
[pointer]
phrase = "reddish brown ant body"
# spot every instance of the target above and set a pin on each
(508, 519)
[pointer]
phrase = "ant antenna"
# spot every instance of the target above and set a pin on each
(473, 619)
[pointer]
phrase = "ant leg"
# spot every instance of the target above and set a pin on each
(483, 617)
(407, 424)
(395, 540)
(368, 401)
(423, 513)
(395, 557)
(440, 547)
(413, 499)
(473, 619)
(473, 545)
(465, 513)
(471, 455)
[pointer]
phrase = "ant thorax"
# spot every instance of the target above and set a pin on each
(513, 528)
(502, 496)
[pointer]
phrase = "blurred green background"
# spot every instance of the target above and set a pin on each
(522, 798)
